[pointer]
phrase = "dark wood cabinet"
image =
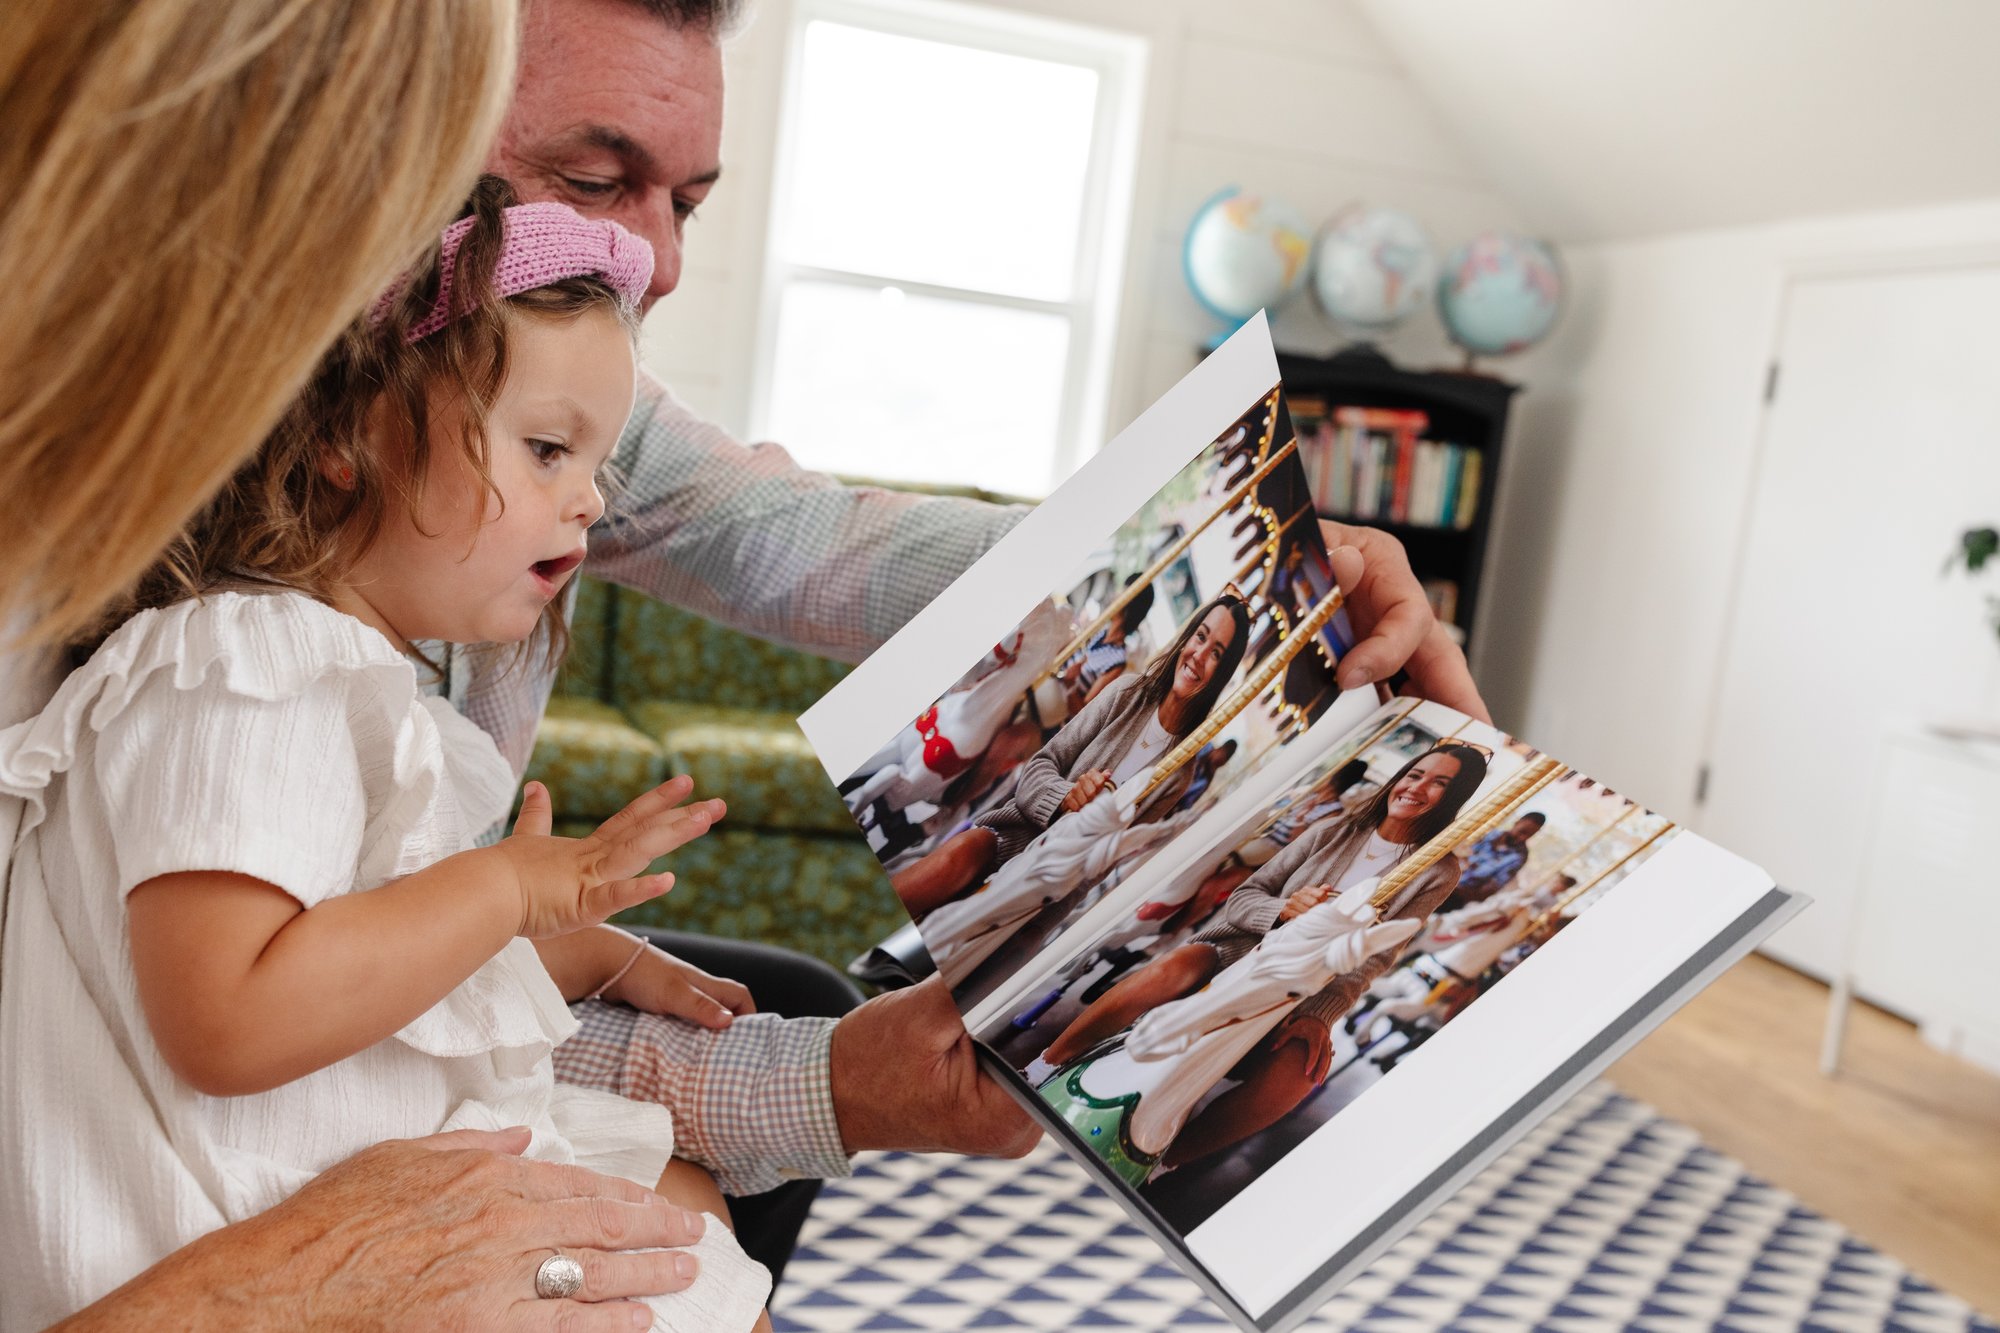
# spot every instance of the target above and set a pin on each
(1463, 409)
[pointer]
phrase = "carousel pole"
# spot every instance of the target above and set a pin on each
(1482, 819)
(1555, 871)
(1260, 680)
(1576, 893)
(1270, 544)
(1166, 558)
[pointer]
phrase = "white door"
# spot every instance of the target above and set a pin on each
(1883, 442)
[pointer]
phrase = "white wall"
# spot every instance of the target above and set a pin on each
(1295, 98)
(1631, 470)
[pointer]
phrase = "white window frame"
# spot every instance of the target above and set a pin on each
(1104, 222)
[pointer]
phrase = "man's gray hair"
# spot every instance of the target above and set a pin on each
(718, 17)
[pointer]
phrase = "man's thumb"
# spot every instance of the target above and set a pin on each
(536, 817)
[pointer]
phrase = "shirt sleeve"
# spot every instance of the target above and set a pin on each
(1255, 904)
(1045, 781)
(210, 779)
(743, 535)
(753, 1103)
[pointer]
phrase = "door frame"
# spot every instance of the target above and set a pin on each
(1899, 262)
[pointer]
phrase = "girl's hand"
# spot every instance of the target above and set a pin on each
(567, 884)
(660, 983)
(1086, 789)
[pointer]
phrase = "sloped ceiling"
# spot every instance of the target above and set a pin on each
(1603, 119)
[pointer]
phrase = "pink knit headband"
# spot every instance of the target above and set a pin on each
(541, 244)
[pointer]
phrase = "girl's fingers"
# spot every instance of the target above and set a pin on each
(703, 1008)
(674, 828)
(647, 804)
(731, 995)
(536, 817)
(635, 847)
(606, 900)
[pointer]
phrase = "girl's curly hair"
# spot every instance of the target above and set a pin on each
(304, 510)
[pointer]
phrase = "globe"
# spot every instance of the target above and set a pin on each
(1499, 293)
(1372, 267)
(1245, 253)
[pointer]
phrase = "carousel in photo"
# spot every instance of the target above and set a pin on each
(1198, 640)
(1277, 976)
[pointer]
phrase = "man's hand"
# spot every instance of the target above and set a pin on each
(1398, 631)
(905, 1076)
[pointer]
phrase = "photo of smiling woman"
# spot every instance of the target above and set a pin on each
(1128, 727)
(1415, 805)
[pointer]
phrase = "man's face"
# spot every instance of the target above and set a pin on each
(1524, 829)
(619, 116)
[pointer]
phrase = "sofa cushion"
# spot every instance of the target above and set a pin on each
(585, 672)
(757, 761)
(822, 895)
(661, 652)
(593, 760)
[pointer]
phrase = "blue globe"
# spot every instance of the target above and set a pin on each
(1372, 267)
(1245, 253)
(1499, 293)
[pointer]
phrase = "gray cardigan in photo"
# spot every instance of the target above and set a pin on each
(1096, 738)
(1321, 855)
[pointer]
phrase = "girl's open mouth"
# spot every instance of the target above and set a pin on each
(552, 570)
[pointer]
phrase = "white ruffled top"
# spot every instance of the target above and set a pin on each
(266, 734)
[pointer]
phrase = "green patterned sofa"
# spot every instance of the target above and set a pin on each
(650, 692)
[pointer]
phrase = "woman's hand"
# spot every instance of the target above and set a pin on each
(443, 1232)
(660, 983)
(1399, 632)
(567, 884)
(1085, 789)
(1304, 900)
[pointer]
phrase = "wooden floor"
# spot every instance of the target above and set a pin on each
(1902, 1146)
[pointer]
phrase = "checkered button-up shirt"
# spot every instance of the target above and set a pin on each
(740, 534)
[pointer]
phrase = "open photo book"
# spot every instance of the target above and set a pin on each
(1280, 965)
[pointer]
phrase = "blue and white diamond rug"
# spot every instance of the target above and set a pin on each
(1606, 1216)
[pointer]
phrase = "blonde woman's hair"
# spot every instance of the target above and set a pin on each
(196, 197)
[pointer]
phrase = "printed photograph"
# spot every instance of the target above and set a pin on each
(1197, 641)
(1237, 1003)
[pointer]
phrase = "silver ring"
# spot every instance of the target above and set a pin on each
(559, 1278)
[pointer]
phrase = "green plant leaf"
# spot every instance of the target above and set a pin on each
(1979, 545)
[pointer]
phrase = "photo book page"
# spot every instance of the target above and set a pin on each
(1280, 965)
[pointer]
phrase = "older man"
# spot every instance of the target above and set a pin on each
(618, 113)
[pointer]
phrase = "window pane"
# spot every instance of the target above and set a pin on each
(876, 383)
(938, 163)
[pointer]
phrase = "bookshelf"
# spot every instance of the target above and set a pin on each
(1463, 410)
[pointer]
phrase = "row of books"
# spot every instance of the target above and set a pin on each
(1374, 463)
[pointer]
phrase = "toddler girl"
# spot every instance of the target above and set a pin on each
(248, 933)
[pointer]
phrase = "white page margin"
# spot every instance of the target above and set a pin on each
(902, 677)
